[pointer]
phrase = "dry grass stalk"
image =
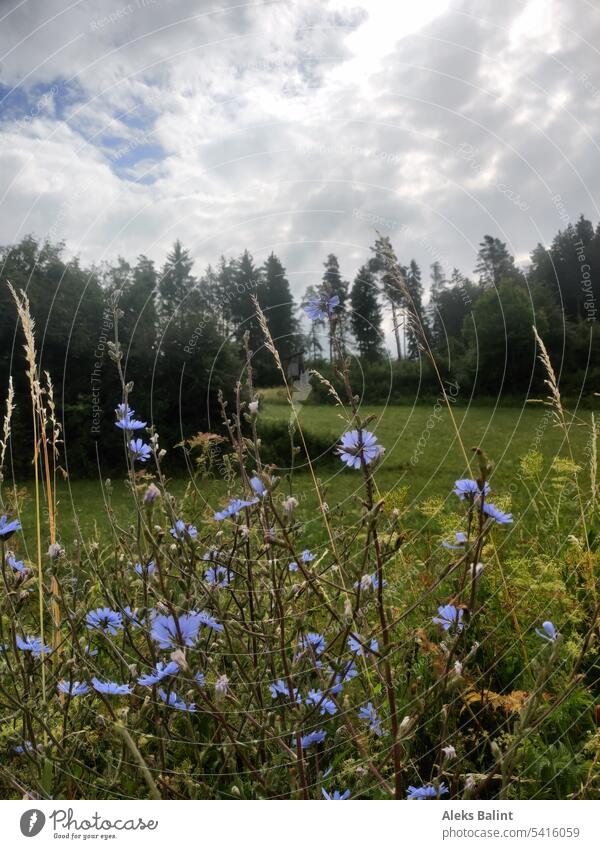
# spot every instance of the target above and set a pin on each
(10, 406)
(38, 423)
(554, 402)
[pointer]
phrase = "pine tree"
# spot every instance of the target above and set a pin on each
(450, 308)
(494, 262)
(418, 320)
(334, 285)
(366, 315)
(176, 281)
(389, 286)
(138, 326)
(277, 303)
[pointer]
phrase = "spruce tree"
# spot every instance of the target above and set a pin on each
(365, 318)
(334, 285)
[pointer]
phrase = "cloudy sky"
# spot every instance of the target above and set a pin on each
(298, 126)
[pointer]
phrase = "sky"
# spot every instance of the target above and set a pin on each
(299, 127)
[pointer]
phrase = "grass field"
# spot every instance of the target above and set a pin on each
(505, 434)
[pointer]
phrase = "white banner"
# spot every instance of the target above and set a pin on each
(296, 825)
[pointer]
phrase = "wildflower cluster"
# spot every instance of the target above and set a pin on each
(257, 648)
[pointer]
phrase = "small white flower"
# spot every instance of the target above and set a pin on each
(253, 407)
(55, 551)
(365, 583)
(458, 668)
(449, 752)
(476, 569)
(244, 531)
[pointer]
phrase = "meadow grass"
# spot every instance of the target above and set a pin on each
(504, 433)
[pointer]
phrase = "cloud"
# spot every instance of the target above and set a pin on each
(297, 127)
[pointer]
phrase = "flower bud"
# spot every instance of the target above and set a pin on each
(151, 494)
(221, 686)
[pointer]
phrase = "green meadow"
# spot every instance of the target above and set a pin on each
(425, 465)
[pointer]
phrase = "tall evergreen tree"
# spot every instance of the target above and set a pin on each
(138, 325)
(366, 315)
(334, 285)
(276, 300)
(494, 262)
(176, 281)
(450, 307)
(415, 308)
(389, 286)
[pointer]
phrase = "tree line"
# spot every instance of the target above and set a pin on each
(185, 337)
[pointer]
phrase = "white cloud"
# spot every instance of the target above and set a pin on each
(268, 126)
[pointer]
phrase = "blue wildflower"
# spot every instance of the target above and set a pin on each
(32, 644)
(321, 308)
(293, 566)
(164, 630)
(110, 688)
(336, 795)
(350, 671)
(174, 701)
(460, 539)
(208, 620)
(183, 530)
(104, 619)
(139, 450)
(307, 556)
(548, 632)
(359, 446)
(16, 565)
(7, 529)
(145, 569)
(235, 506)
(199, 679)
(258, 486)
(312, 739)
(313, 641)
(369, 713)
(126, 420)
(280, 688)
(160, 671)
(467, 488)
(449, 617)
(497, 515)
(26, 747)
(72, 688)
(326, 705)
(369, 581)
(217, 576)
(355, 645)
(428, 791)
